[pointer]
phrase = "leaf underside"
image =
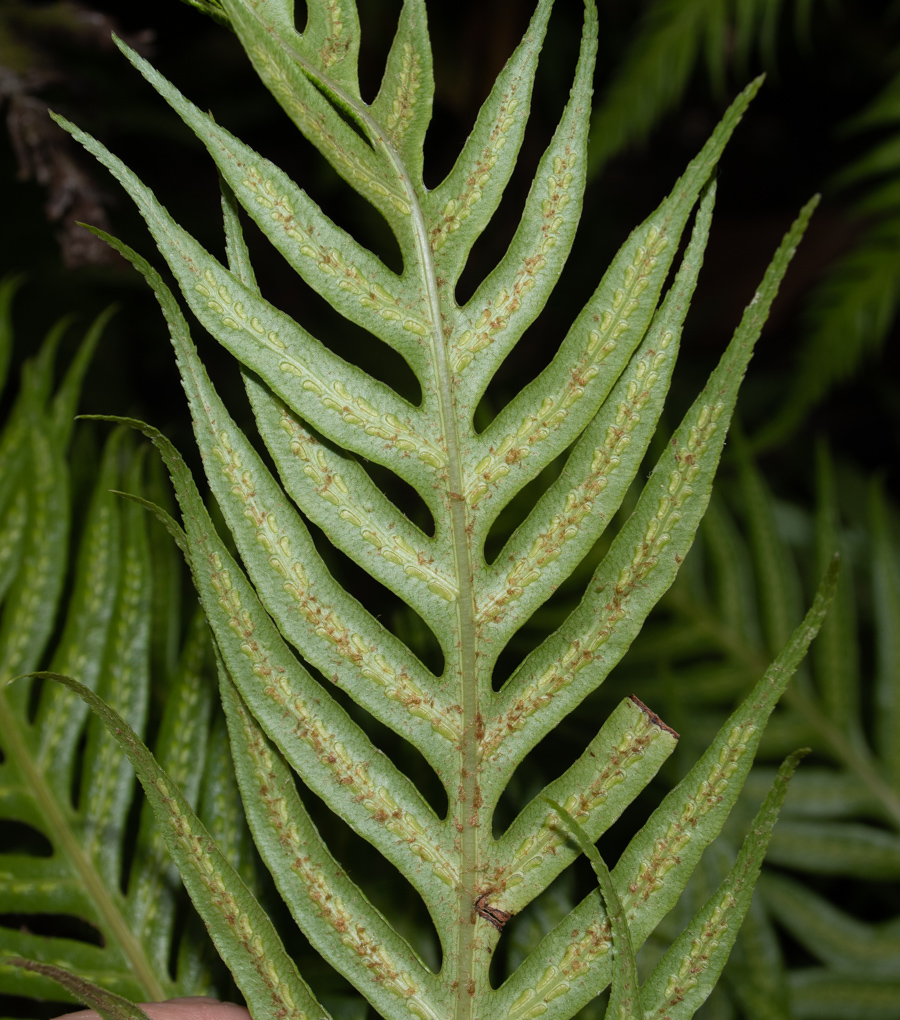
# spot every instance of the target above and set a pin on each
(286, 628)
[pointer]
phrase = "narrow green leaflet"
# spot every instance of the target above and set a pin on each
(644, 557)
(625, 994)
(555, 407)
(841, 818)
(330, 751)
(576, 508)
(461, 206)
(685, 976)
(325, 903)
(330, 628)
(617, 764)
(513, 295)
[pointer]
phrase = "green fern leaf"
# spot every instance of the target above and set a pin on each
(285, 626)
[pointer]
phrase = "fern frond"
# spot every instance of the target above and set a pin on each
(285, 627)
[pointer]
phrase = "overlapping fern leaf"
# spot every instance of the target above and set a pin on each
(841, 821)
(77, 884)
(287, 631)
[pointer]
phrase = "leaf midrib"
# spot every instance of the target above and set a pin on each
(59, 823)
(462, 969)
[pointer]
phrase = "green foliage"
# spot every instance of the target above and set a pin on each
(286, 628)
(77, 885)
(841, 818)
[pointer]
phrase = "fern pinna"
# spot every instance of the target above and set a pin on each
(323, 419)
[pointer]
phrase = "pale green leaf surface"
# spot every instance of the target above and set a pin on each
(39, 792)
(692, 814)
(47, 746)
(403, 103)
(314, 411)
(108, 781)
(240, 930)
(576, 508)
(657, 863)
(684, 977)
(460, 207)
(348, 405)
(757, 972)
(332, 754)
(554, 408)
(81, 957)
(330, 39)
(330, 628)
(516, 291)
(170, 616)
(182, 742)
(645, 555)
(221, 808)
(616, 765)
(625, 992)
(324, 901)
(238, 255)
(336, 492)
(287, 74)
(349, 277)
